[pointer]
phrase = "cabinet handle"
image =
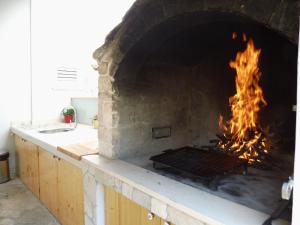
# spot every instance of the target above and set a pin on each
(150, 216)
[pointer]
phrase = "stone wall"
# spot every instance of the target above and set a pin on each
(211, 85)
(186, 99)
(157, 98)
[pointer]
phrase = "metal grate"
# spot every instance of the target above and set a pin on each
(197, 163)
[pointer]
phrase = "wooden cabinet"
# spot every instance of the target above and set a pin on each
(119, 210)
(111, 207)
(130, 212)
(70, 194)
(32, 163)
(21, 159)
(28, 165)
(61, 188)
(48, 181)
(58, 183)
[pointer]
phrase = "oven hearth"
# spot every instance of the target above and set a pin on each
(260, 189)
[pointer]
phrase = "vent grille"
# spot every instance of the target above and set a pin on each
(67, 74)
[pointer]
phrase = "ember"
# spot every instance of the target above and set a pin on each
(242, 134)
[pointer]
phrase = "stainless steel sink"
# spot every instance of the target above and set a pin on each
(56, 130)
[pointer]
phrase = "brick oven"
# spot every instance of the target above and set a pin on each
(164, 75)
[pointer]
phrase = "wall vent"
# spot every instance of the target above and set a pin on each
(67, 79)
(65, 74)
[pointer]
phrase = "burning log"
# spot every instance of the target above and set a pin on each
(242, 134)
(254, 152)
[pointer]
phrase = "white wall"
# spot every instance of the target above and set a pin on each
(56, 43)
(14, 67)
(65, 34)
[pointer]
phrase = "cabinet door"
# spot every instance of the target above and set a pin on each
(27, 164)
(70, 194)
(32, 164)
(48, 181)
(121, 211)
(130, 212)
(20, 159)
(112, 216)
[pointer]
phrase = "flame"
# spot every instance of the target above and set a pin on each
(242, 133)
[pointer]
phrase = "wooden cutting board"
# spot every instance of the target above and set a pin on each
(76, 151)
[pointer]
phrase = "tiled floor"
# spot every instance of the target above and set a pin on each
(18, 206)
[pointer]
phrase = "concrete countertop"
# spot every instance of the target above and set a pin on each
(50, 142)
(203, 206)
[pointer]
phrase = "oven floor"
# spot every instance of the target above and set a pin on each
(259, 190)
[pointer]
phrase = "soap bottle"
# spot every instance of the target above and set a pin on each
(95, 122)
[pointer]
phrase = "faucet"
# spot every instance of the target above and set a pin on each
(75, 117)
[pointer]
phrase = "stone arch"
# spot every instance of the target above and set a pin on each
(278, 15)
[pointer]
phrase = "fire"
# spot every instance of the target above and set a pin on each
(242, 134)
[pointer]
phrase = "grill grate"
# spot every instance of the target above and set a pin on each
(198, 163)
